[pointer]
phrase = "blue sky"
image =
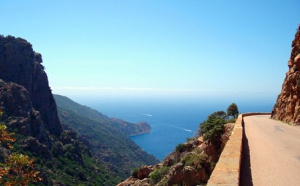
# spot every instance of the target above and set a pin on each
(158, 48)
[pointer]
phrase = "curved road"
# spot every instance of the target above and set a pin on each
(274, 149)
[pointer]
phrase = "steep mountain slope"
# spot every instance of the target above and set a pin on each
(108, 143)
(61, 159)
(287, 107)
(29, 110)
(127, 128)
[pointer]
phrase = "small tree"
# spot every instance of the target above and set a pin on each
(233, 110)
(211, 129)
(17, 169)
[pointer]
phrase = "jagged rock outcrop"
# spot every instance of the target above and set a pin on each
(287, 107)
(16, 103)
(21, 65)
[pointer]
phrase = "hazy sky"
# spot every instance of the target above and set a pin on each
(162, 48)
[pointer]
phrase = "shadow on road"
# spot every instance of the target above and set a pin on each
(246, 175)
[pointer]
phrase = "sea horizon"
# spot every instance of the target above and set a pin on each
(172, 122)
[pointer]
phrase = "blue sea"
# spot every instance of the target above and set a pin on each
(172, 122)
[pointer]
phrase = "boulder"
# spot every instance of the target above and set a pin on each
(200, 140)
(144, 172)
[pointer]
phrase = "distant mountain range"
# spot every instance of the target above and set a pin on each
(129, 129)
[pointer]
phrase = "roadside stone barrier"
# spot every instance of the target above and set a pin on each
(227, 170)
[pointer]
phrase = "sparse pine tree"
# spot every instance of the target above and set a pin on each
(233, 110)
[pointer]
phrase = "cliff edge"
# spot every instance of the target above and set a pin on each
(21, 65)
(287, 107)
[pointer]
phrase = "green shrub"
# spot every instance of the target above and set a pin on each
(212, 127)
(158, 174)
(180, 147)
(198, 150)
(195, 160)
(134, 172)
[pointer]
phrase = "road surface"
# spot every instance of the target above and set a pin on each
(274, 149)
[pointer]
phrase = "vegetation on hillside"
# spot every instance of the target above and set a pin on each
(16, 169)
(67, 162)
(129, 129)
(112, 147)
(212, 128)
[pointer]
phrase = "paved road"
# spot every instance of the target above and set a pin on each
(274, 149)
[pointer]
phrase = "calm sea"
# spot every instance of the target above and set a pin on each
(172, 122)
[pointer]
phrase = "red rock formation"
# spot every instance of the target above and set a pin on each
(287, 107)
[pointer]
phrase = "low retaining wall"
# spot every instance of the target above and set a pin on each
(227, 170)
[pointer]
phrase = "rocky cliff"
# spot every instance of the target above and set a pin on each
(23, 119)
(287, 107)
(21, 65)
(25, 95)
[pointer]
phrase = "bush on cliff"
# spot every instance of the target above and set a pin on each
(158, 174)
(134, 172)
(211, 129)
(196, 160)
(180, 147)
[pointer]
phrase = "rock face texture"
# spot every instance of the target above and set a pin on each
(15, 101)
(287, 107)
(21, 65)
